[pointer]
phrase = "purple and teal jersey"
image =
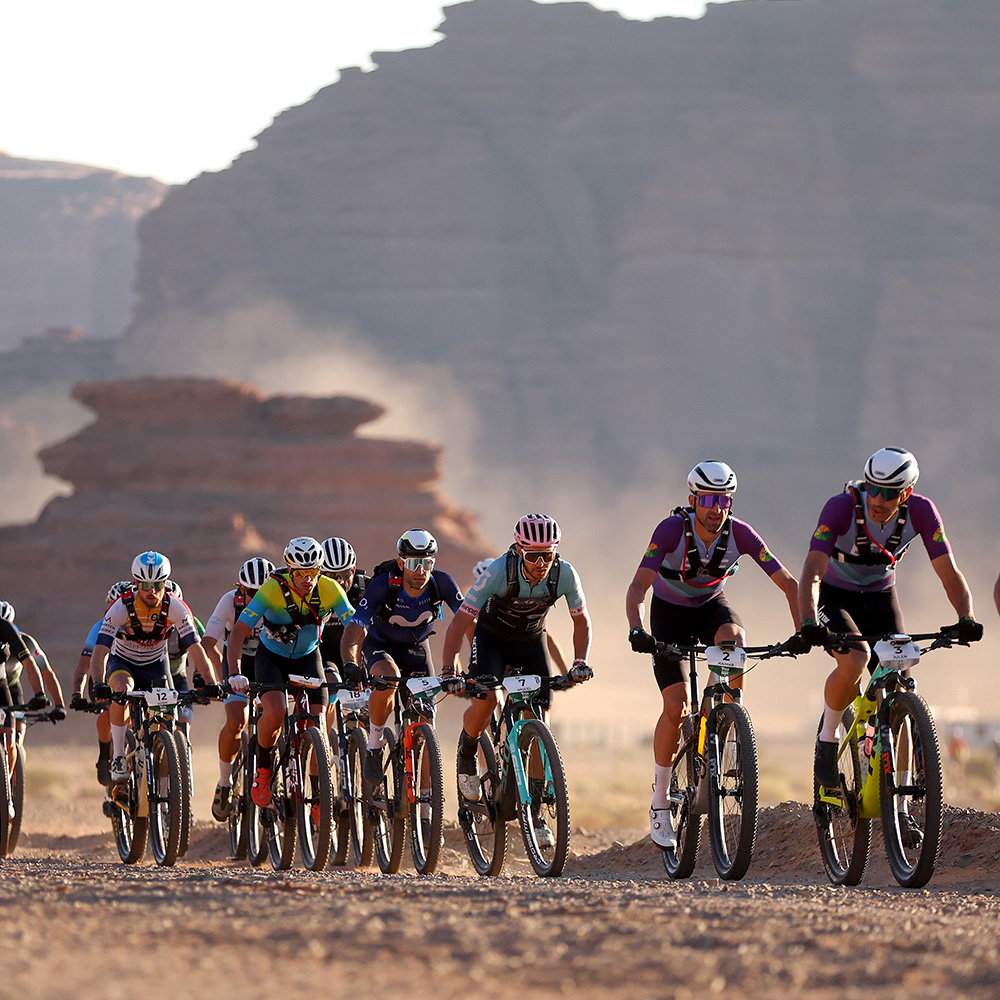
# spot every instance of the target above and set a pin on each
(836, 533)
(281, 634)
(668, 551)
(412, 618)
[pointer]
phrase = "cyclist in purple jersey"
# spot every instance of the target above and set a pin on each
(690, 556)
(848, 584)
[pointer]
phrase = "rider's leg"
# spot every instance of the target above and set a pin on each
(380, 703)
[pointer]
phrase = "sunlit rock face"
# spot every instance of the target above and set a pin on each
(211, 472)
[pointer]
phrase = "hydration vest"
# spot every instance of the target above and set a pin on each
(391, 566)
(885, 554)
(502, 616)
(135, 631)
(692, 557)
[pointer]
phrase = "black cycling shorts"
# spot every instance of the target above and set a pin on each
(272, 669)
(410, 660)
(492, 654)
(867, 613)
(5, 699)
(687, 626)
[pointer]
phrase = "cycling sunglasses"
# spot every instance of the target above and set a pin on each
(151, 584)
(414, 563)
(538, 556)
(721, 500)
(307, 574)
(886, 492)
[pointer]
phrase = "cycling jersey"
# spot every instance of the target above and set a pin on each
(295, 634)
(333, 628)
(91, 641)
(224, 618)
(522, 614)
(835, 535)
(176, 656)
(118, 632)
(12, 643)
(412, 619)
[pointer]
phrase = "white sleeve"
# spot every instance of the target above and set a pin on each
(222, 620)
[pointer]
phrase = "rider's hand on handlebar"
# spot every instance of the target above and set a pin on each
(78, 703)
(101, 692)
(798, 644)
(969, 630)
(814, 633)
(641, 641)
(239, 684)
(39, 700)
(57, 714)
(580, 671)
(354, 674)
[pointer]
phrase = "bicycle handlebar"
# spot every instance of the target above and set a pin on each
(758, 652)
(841, 642)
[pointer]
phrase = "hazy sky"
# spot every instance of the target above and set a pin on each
(170, 90)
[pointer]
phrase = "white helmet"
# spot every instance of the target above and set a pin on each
(893, 468)
(416, 543)
(117, 589)
(711, 477)
(339, 554)
(174, 589)
(151, 567)
(304, 553)
(254, 572)
(537, 529)
(481, 567)
(7, 611)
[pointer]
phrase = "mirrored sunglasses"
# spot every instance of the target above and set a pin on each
(151, 584)
(886, 492)
(306, 574)
(538, 556)
(414, 563)
(721, 500)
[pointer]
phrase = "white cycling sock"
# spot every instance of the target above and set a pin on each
(118, 740)
(831, 719)
(661, 786)
(375, 739)
(225, 773)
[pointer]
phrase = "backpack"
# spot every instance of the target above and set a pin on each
(514, 582)
(391, 566)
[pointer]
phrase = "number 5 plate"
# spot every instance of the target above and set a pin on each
(724, 660)
(424, 685)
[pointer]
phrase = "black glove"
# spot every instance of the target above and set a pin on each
(78, 703)
(798, 644)
(101, 692)
(641, 641)
(57, 714)
(580, 671)
(354, 674)
(969, 630)
(814, 633)
(198, 681)
(210, 690)
(39, 700)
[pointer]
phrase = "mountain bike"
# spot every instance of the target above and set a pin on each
(12, 792)
(521, 775)
(890, 767)
(301, 786)
(412, 786)
(349, 741)
(715, 770)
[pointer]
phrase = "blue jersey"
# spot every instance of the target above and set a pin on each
(412, 619)
(91, 641)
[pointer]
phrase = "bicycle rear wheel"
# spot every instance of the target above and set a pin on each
(912, 846)
(187, 790)
(427, 807)
(237, 806)
(166, 811)
(362, 840)
(482, 823)
(544, 818)
(679, 861)
(17, 798)
(732, 802)
(314, 807)
(278, 818)
(130, 829)
(388, 809)
(844, 837)
(5, 804)
(341, 846)
(252, 816)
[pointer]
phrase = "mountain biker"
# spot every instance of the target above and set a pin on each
(848, 585)
(177, 659)
(131, 647)
(511, 600)
(288, 610)
(390, 628)
(690, 556)
(250, 577)
(82, 684)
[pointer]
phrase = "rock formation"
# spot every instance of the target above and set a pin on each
(211, 472)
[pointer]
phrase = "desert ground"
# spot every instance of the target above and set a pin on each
(81, 924)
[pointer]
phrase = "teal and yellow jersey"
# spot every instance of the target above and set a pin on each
(291, 625)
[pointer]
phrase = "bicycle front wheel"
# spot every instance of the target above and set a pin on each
(427, 807)
(5, 804)
(362, 841)
(482, 822)
(911, 809)
(129, 827)
(341, 846)
(314, 808)
(388, 809)
(679, 861)
(278, 819)
(17, 798)
(166, 811)
(732, 802)
(187, 790)
(253, 817)
(844, 837)
(544, 818)
(237, 811)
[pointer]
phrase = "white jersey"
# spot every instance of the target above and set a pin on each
(224, 618)
(116, 630)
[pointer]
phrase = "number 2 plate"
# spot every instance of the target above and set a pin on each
(725, 660)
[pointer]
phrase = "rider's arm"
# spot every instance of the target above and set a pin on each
(234, 646)
(556, 654)
(635, 598)
(202, 662)
(350, 643)
(48, 677)
(99, 662)
(786, 582)
(581, 633)
(954, 585)
(464, 618)
(812, 572)
(80, 674)
(211, 647)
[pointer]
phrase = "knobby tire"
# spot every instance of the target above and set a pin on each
(732, 812)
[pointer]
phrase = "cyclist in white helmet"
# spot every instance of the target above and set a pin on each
(249, 579)
(848, 585)
(690, 556)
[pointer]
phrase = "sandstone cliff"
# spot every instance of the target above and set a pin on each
(211, 472)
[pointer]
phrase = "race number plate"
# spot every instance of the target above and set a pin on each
(522, 684)
(426, 686)
(162, 697)
(900, 652)
(726, 660)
